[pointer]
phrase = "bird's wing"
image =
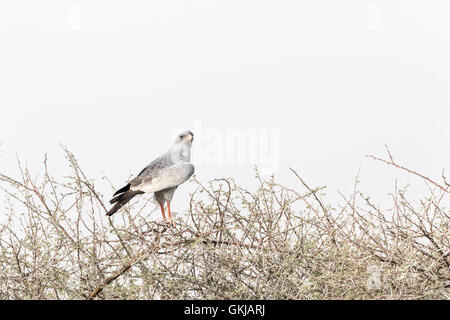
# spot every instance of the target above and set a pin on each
(162, 174)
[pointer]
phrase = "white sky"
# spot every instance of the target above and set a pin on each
(113, 80)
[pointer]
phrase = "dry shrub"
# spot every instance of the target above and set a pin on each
(273, 243)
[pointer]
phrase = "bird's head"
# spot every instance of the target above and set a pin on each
(185, 137)
(181, 150)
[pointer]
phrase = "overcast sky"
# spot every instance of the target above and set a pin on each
(320, 84)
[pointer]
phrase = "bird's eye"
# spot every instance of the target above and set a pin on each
(181, 137)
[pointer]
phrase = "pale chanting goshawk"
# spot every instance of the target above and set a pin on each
(161, 177)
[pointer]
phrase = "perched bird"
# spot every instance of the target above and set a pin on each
(161, 177)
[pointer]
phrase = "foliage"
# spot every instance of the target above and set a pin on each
(272, 243)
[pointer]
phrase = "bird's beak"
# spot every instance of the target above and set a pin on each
(190, 137)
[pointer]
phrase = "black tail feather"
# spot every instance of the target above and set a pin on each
(122, 190)
(121, 200)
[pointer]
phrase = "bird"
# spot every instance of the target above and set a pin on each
(161, 177)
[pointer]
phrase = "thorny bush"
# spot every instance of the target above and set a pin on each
(273, 243)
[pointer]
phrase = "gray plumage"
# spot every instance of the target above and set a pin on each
(166, 194)
(161, 177)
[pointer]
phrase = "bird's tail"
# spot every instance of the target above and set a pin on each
(121, 200)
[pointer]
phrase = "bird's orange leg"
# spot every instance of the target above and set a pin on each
(162, 211)
(170, 213)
